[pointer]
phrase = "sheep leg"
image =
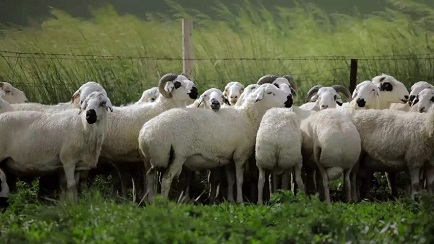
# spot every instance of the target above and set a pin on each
(298, 180)
(231, 181)
(324, 184)
(275, 177)
(213, 178)
(151, 176)
(391, 181)
(261, 182)
(355, 193)
(414, 176)
(173, 170)
(347, 185)
(71, 186)
(429, 176)
(285, 180)
(239, 171)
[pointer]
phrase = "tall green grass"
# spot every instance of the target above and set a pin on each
(245, 31)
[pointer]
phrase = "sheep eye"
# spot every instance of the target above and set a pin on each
(269, 92)
(432, 99)
(335, 97)
(103, 103)
(7, 91)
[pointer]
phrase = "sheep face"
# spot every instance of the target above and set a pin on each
(95, 105)
(212, 98)
(271, 96)
(366, 95)
(233, 91)
(391, 90)
(12, 94)
(181, 89)
(424, 100)
(416, 88)
(327, 97)
(81, 94)
(149, 95)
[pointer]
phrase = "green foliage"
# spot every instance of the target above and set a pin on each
(288, 218)
(245, 31)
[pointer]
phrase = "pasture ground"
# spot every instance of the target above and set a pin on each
(287, 219)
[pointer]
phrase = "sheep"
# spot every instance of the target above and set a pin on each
(247, 90)
(288, 80)
(322, 97)
(233, 91)
(76, 100)
(415, 89)
(424, 100)
(149, 95)
(120, 147)
(4, 106)
(211, 143)
(76, 142)
(278, 146)
(391, 90)
(331, 146)
(212, 98)
(12, 94)
(397, 139)
(4, 192)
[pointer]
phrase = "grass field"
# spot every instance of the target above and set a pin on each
(131, 55)
(288, 219)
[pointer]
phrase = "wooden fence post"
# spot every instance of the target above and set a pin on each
(187, 48)
(353, 75)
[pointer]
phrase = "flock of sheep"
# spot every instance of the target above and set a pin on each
(252, 140)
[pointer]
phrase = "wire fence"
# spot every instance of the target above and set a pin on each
(60, 72)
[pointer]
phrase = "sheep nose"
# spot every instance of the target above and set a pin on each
(412, 97)
(289, 101)
(194, 93)
(234, 96)
(215, 105)
(324, 106)
(361, 102)
(91, 116)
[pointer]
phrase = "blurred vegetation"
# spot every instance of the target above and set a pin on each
(396, 40)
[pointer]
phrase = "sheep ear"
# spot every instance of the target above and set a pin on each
(169, 87)
(109, 105)
(200, 101)
(259, 95)
(75, 95)
(314, 98)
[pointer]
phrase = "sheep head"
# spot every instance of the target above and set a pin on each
(233, 91)
(391, 90)
(177, 87)
(367, 95)
(95, 104)
(424, 100)
(12, 94)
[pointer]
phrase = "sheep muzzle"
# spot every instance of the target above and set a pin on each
(91, 116)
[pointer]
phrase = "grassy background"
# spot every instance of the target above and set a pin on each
(397, 40)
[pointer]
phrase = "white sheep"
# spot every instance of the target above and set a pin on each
(4, 106)
(331, 146)
(287, 80)
(121, 145)
(415, 89)
(233, 91)
(424, 100)
(12, 94)
(75, 141)
(212, 98)
(247, 90)
(278, 146)
(323, 97)
(76, 99)
(397, 139)
(4, 192)
(149, 95)
(391, 90)
(211, 143)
